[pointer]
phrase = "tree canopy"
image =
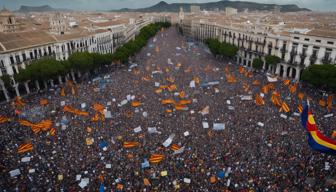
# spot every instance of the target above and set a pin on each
(223, 49)
(46, 69)
(321, 76)
(272, 60)
(257, 63)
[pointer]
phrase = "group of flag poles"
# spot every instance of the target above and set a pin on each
(316, 140)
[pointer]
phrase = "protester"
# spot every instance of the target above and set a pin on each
(85, 154)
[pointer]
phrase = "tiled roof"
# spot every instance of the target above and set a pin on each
(13, 41)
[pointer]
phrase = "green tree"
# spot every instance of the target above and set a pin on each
(321, 76)
(65, 67)
(222, 49)
(47, 69)
(82, 61)
(272, 60)
(23, 75)
(257, 63)
(7, 80)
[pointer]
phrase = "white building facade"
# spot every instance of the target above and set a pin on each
(36, 45)
(296, 50)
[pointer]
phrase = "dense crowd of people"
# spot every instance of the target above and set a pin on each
(257, 150)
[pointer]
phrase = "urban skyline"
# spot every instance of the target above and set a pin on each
(318, 5)
(237, 97)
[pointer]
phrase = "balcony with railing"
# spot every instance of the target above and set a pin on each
(313, 58)
(326, 59)
(31, 60)
(293, 52)
(283, 50)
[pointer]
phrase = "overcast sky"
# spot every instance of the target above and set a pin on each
(319, 5)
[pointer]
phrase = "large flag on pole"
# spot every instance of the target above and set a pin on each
(316, 139)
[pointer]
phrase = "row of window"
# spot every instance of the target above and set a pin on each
(33, 54)
(317, 40)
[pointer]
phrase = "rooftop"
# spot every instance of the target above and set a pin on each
(13, 41)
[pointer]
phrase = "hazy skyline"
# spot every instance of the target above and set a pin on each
(318, 5)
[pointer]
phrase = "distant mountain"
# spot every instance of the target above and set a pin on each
(221, 5)
(43, 8)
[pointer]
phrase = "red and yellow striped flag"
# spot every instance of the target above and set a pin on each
(275, 100)
(52, 131)
(259, 100)
(4, 119)
(98, 107)
(25, 147)
(163, 86)
(175, 147)
(300, 108)
(156, 158)
(130, 144)
(301, 95)
(184, 102)
(75, 111)
(167, 101)
(146, 182)
(172, 88)
(180, 107)
(286, 82)
(95, 118)
(284, 107)
(25, 123)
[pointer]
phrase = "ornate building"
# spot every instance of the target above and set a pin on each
(58, 24)
(297, 48)
(19, 49)
(7, 21)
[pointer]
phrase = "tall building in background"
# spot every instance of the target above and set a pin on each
(58, 24)
(230, 11)
(7, 21)
(181, 14)
(195, 9)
